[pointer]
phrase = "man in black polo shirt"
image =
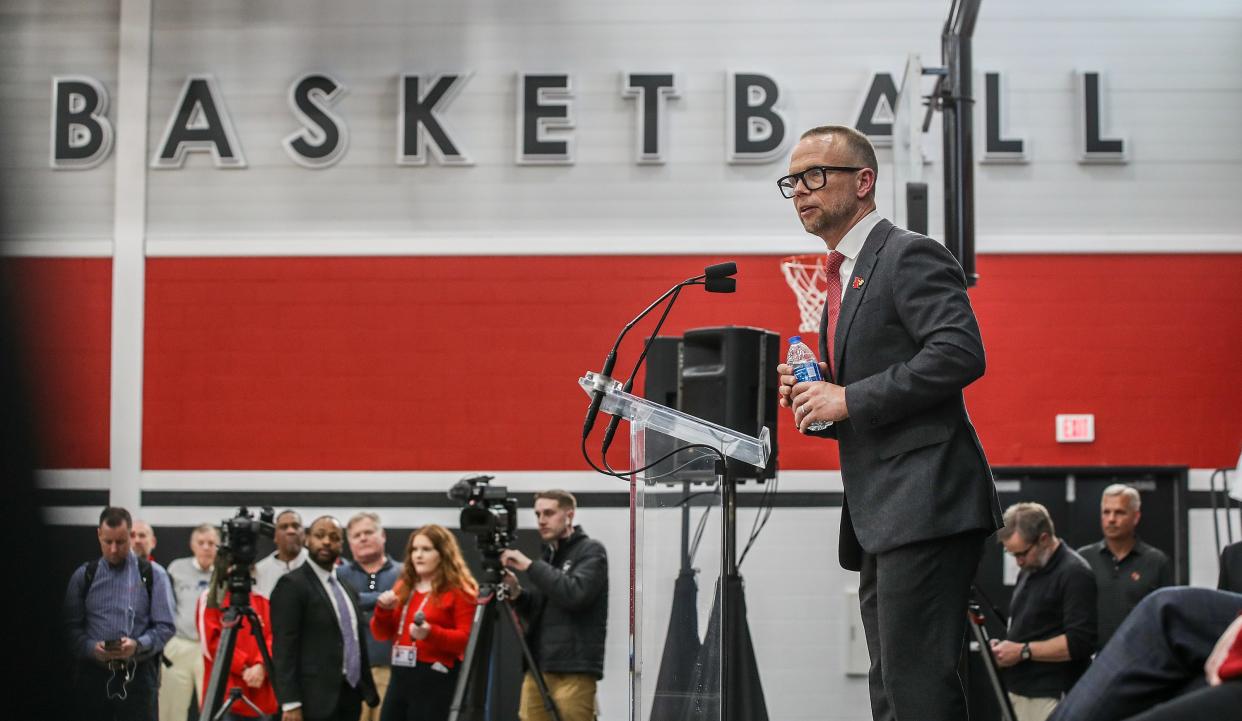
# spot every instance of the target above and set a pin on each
(1126, 569)
(1052, 615)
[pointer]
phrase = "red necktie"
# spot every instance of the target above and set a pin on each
(833, 269)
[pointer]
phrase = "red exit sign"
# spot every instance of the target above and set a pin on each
(1075, 427)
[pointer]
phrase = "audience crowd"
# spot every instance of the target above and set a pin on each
(1092, 633)
(366, 638)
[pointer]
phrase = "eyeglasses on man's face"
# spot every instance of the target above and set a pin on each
(812, 178)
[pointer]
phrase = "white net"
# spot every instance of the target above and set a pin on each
(805, 274)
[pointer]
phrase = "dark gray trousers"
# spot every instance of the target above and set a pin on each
(913, 601)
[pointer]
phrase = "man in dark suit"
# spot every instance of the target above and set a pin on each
(318, 640)
(898, 343)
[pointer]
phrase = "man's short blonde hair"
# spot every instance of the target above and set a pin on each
(364, 516)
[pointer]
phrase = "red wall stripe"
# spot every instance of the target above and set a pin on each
(63, 310)
(453, 363)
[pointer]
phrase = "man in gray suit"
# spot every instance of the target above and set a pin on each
(898, 343)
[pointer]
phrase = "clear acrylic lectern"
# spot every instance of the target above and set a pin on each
(680, 546)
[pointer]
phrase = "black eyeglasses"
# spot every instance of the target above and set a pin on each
(812, 178)
(1020, 554)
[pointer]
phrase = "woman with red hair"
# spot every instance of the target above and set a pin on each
(428, 614)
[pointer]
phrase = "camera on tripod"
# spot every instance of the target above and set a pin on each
(490, 513)
(239, 538)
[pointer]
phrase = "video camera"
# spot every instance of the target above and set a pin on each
(488, 512)
(239, 538)
(239, 535)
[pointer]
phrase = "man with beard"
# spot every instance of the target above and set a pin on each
(565, 605)
(290, 552)
(1052, 613)
(318, 638)
(898, 343)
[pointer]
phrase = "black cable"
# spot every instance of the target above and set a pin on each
(1229, 503)
(1215, 514)
(766, 503)
(666, 474)
(629, 383)
(714, 491)
(754, 525)
(1237, 503)
(624, 475)
(698, 533)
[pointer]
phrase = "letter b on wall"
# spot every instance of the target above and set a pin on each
(81, 131)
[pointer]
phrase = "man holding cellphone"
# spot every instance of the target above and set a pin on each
(118, 616)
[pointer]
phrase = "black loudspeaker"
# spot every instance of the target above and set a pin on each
(916, 207)
(725, 375)
(664, 372)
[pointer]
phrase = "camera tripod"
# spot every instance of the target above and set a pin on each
(977, 623)
(239, 610)
(474, 684)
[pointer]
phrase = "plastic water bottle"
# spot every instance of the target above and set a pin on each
(805, 368)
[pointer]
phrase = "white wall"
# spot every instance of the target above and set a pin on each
(1171, 91)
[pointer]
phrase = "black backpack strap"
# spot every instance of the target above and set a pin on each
(144, 571)
(88, 577)
(148, 577)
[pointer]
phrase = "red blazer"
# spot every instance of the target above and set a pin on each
(245, 654)
(449, 614)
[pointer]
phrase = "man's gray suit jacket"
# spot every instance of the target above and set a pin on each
(906, 344)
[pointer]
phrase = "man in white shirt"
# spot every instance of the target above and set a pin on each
(190, 577)
(290, 552)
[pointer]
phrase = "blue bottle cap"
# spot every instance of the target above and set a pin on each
(795, 339)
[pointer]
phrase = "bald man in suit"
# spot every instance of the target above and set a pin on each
(319, 644)
(898, 344)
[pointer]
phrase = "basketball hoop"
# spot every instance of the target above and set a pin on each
(806, 275)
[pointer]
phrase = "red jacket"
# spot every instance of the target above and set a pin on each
(449, 614)
(1231, 667)
(245, 653)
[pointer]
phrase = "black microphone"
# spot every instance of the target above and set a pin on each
(720, 270)
(715, 279)
(419, 618)
(714, 273)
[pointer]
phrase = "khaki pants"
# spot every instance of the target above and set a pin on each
(1028, 708)
(381, 674)
(573, 693)
(183, 679)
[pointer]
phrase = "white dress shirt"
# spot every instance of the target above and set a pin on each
(269, 570)
(851, 246)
